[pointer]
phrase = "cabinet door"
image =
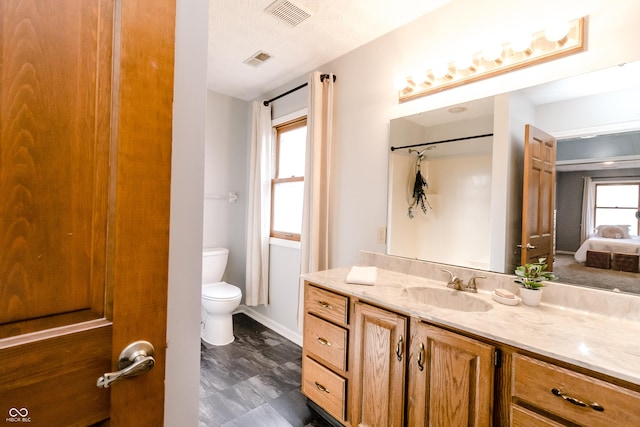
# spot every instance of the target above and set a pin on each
(450, 379)
(379, 342)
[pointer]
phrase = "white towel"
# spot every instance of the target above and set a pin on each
(362, 275)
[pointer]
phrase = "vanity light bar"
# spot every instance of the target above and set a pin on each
(555, 42)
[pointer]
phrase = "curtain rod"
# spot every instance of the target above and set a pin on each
(440, 142)
(322, 77)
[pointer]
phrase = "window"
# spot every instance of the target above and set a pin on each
(618, 204)
(287, 186)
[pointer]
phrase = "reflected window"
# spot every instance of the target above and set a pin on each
(618, 204)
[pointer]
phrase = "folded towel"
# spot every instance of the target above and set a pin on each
(362, 275)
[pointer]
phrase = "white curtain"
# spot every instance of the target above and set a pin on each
(588, 203)
(314, 239)
(257, 268)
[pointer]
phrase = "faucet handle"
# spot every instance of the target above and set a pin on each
(454, 281)
(452, 276)
(472, 283)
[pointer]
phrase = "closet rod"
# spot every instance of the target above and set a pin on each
(440, 142)
(322, 77)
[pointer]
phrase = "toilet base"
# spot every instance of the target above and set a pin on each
(217, 329)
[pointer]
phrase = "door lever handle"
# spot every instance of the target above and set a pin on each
(529, 246)
(135, 359)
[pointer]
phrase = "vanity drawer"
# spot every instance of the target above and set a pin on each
(326, 340)
(544, 385)
(521, 417)
(324, 387)
(325, 304)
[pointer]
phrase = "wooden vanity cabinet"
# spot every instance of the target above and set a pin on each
(450, 379)
(378, 367)
(358, 363)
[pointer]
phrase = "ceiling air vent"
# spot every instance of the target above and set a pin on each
(257, 58)
(288, 12)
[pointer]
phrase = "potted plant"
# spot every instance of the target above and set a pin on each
(530, 278)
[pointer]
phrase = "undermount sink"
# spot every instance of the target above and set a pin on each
(446, 298)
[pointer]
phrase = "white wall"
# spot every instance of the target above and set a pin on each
(590, 113)
(185, 238)
(226, 158)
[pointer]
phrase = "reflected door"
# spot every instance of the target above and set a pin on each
(85, 146)
(538, 196)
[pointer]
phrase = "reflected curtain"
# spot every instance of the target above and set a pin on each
(588, 204)
(314, 238)
(258, 221)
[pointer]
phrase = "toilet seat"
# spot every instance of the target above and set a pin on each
(220, 291)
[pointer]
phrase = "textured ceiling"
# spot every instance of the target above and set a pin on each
(240, 28)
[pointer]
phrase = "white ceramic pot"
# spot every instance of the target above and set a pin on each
(531, 297)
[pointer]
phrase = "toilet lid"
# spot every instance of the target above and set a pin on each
(220, 291)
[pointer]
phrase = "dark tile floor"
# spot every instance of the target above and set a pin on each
(254, 381)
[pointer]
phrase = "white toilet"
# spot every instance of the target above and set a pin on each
(219, 299)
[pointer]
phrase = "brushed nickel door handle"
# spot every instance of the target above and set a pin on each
(135, 359)
(529, 246)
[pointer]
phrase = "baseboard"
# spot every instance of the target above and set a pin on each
(292, 336)
(565, 252)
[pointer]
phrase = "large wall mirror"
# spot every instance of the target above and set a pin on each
(467, 212)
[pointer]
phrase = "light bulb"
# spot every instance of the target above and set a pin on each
(420, 77)
(400, 83)
(557, 32)
(522, 43)
(465, 62)
(441, 70)
(493, 53)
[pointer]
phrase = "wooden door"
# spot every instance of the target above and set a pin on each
(85, 150)
(450, 379)
(378, 367)
(538, 196)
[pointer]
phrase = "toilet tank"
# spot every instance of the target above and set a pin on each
(214, 261)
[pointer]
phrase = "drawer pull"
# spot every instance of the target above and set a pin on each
(323, 341)
(399, 349)
(321, 387)
(421, 357)
(595, 406)
(325, 304)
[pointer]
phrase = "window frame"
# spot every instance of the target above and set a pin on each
(618, 183)
(289, 125)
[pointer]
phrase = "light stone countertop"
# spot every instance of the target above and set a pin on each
(598, 342)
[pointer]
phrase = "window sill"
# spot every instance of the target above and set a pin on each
(284, 243)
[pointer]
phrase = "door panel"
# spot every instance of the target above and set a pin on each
(450, 379)
(85, 157)
(538, 196)
(378, 367)
(52, 218)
